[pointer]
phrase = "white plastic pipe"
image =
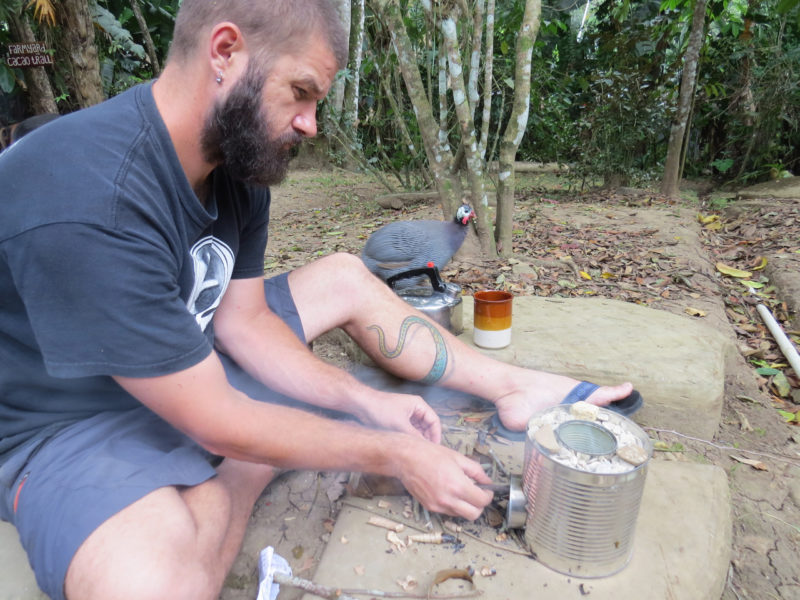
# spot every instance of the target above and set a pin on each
(784, 343)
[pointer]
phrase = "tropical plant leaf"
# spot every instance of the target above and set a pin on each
(108, 23)
(7, 80)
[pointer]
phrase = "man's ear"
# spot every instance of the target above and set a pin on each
(227, 51)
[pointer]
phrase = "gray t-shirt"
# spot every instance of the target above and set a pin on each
(109, 264)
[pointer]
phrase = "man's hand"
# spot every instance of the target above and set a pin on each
(443, 480)
(402, 412)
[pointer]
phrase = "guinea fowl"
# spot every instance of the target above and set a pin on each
(404, 245)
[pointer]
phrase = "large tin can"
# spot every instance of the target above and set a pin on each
(582, 523)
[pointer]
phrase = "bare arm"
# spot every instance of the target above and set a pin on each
(262, 344)
(200, 402)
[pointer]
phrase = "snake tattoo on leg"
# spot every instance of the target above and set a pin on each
(439, 361)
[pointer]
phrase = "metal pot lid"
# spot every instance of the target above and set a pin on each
(425, 298)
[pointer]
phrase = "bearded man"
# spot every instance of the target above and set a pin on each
(132, 297)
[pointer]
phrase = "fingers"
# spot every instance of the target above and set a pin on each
(444, 481)
(426, 421)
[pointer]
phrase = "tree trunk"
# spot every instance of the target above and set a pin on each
(468, 138)
(439, 159)
(488, 65)
(148, 41)
(39, 91)
(79, 53)
(475, 58)
(350, 106)
(336, 96)
(516, 126)
(669, 184)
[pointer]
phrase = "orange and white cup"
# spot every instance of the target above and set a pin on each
(492, 320)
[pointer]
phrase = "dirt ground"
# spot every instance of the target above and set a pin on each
(631, 246)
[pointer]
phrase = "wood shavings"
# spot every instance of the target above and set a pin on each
(584, 410)
(395, 541)
(430, 538)
(452, 526)
(386, 523)
(635, 455)
(546, 438)
(408, 584)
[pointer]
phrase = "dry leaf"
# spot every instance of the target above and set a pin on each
(695, 312)
(732, 271)
(756, 464)
(708, 219)
(585, 275)
(307, 565)
(445, 574)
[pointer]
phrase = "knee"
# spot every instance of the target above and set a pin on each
(176, 582)
(349, 270)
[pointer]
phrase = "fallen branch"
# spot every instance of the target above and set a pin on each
(311, 587)
(779, 457)
(401, 199)
(335, 593)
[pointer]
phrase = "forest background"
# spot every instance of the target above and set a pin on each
(453, 95)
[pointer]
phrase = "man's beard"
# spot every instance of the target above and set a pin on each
(238, 135)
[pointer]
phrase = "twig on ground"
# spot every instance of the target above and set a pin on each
(493, 545)
(795, 527)
(730, 583)
(779, 457)
(310, 587)
(420, 529)
(498, 462)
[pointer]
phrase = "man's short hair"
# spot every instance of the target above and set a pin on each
(274, 27)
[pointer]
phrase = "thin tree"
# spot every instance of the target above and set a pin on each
(458, 99)
(148, 40)
(672, 166)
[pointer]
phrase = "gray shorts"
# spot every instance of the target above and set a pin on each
(92, 469)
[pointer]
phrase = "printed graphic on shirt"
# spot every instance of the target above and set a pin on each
(213, 266)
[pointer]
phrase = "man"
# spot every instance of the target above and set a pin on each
(131, 280)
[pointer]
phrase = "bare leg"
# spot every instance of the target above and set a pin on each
(338, 291)
(173, 543)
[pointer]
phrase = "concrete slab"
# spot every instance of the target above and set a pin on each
(17, 582)
(786, 187)
(678, 364)
(681, 549)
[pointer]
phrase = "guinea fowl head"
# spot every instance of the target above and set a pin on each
(464, 214)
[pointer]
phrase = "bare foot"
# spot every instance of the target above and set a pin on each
(516, 408)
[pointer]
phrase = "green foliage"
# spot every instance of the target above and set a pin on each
(123, 61)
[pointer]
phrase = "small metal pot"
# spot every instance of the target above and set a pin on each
(441, 302)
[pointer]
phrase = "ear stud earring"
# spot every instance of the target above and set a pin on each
(219, 77)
